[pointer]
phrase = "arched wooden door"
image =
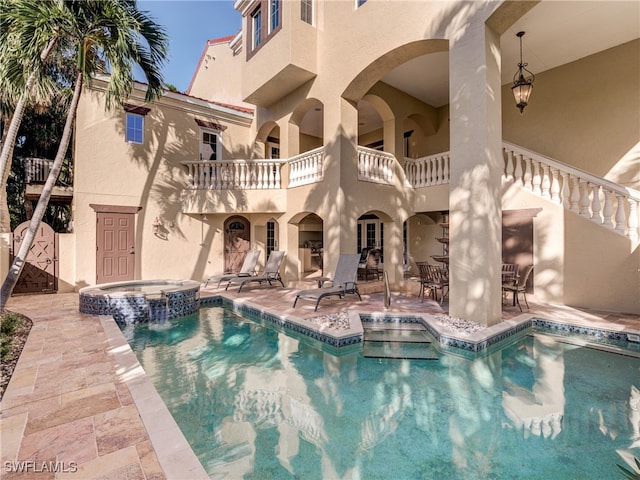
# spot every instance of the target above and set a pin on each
(237, 240)
(40, 271)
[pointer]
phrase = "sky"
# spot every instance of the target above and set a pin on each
(189, 24)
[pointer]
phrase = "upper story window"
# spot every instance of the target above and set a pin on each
(306, 11)
(209, 145)
(274, 15)
(135, 128)
(359, 3)
(134, 131)
(256, 28)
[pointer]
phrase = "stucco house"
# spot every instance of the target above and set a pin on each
(331, 126)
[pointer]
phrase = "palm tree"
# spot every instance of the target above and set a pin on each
(110, 32)
(24, 47)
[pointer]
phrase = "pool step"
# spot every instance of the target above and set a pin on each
(398, 343)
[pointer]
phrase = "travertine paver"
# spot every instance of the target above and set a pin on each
(79, 397)
(66, 408)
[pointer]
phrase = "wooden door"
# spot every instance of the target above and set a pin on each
(115, 247)
(40, 271)
(237, 240)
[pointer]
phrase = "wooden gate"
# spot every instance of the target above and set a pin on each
(40, 272)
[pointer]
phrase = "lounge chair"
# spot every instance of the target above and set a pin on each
(247, 270)
(270, 274)
(344, 281)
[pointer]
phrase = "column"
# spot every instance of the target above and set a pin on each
(475, 195)
(340, 176)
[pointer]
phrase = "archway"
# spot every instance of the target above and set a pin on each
(237, 240)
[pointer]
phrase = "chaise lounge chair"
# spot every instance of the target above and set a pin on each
(271, 272)
(344, 281)
(248, 269)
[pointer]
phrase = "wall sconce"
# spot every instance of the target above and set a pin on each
(157, 223)
(522, 86)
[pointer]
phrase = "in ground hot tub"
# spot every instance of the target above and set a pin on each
(142, 300)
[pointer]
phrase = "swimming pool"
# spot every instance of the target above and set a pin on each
(254, 402)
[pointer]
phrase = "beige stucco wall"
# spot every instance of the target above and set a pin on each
(110, 171)
(585, 114)
(221, 66)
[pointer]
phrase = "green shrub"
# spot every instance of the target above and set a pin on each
(9, 322)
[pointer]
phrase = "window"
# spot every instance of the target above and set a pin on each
(274, 14)
(256, 28)
(306, 11)
(272, 242)
(209, 146)
(135, 128)
(359, 3)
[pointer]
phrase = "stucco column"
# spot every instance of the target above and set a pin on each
(289, 138)
(393, 137)
(475, 194)
(340, 177)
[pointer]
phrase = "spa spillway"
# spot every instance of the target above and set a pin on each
(141, 300)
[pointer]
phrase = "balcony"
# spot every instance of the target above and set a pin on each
(286, 60)
(36, 172)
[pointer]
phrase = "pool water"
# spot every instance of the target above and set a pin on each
(257, 403)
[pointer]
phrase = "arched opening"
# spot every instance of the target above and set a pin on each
(308, 117)
(237, 240)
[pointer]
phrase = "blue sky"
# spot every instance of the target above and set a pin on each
(189, 24)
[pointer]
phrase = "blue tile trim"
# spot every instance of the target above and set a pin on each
(138, 308)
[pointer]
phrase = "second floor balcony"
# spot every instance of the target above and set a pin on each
(36, 172)
(260, 186)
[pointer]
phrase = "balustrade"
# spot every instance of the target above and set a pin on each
(427, 171)
(233, 174)
(306, 168)
(375, 166)
(613, 206)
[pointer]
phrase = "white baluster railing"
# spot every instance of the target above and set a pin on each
(375, 166)
(306, 168)
(233, 174)
(427, 171)
(37, 169)
(613, 206)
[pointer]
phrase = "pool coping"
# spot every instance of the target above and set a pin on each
(448, 339)
(175, 455)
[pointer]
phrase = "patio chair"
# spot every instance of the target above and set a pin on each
(519, 287)
(344, 281)
(369, 267)
(270, 274)
(248, 269)
(510, 273)
(432, 278)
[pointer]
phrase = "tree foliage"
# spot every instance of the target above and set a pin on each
(108, 33)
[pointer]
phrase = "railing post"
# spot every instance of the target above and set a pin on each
(536, 180)
(595, 204)
(607, 211)
(633, 220)
(519, 174)
(575, 194)
(584, 198)
(620, 214)
(555, 186)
